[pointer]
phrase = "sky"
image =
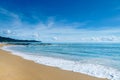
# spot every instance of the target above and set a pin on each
(61, 20)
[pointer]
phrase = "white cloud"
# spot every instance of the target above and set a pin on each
(55, 38)
(8, 13)
(52, 31)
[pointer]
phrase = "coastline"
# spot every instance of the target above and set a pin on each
(16, 68)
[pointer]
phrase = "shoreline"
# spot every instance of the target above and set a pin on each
(13, 67)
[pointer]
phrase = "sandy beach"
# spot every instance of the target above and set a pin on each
(16, 68)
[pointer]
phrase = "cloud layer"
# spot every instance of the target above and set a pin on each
(54, 31)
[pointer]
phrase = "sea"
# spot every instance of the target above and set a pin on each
(95, 59)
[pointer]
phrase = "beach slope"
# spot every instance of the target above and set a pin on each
(16, 68)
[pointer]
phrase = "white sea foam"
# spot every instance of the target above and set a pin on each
(90, 69)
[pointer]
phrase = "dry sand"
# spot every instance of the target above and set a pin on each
(16, 68)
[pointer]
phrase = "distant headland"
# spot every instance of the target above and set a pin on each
(16, 41)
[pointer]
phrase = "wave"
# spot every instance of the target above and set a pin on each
(75, 66)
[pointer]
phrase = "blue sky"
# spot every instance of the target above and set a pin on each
(61, 20)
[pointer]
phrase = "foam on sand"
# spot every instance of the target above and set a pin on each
(75, 66)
